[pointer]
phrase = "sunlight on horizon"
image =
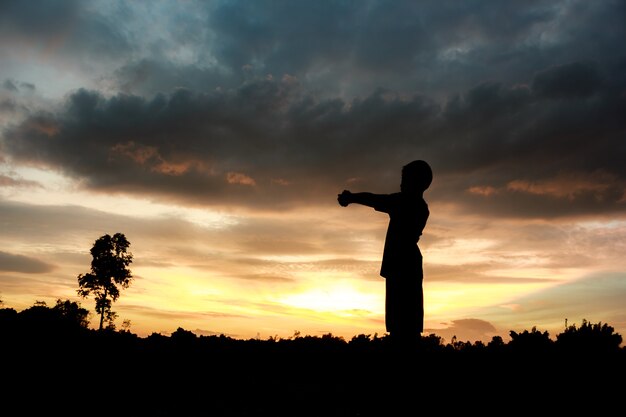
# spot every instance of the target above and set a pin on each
(173, 289)
(338, 297)
(198, 275)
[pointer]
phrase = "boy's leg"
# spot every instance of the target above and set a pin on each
(404, 307)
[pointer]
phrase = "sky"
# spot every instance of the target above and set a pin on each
(216, 136)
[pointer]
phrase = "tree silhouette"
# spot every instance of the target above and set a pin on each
(72, 312)
(109, 268)
(532, 342)
(589, 337)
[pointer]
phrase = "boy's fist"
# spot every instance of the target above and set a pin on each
(344, 198)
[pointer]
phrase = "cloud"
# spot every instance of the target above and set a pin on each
(573, 80)
(11, 181)
(354, 48)
(595, 297)
(131, 143)
(598, 186)
(465, 330)
(66, 28)
(282, 106)
(239, 178)
(202, 147)
(266, 110)
(19, 263)
(9, 85)
(15, 86)
(351, 48)
(45, 20)
(476, 273)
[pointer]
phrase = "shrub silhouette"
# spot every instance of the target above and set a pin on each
(65, 317)
(534, 341)
(589, 337)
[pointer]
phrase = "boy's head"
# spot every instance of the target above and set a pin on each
(416, 176)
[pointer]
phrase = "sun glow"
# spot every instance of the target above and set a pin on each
(172, 289)
(341, 297)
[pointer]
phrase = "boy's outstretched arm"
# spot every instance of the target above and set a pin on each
(366, 199)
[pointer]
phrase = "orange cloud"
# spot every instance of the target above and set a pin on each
(239, 178)
(46, 127)
(7, 181)
(565, 186)
(281, 181)
(149, 155)
(485, 191)
(169, 168)
(137, 152)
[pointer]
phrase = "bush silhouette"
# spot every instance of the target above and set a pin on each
(589, 337)
(534, 341)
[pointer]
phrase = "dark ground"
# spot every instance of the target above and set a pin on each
(118, 374)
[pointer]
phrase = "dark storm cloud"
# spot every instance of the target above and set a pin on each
(67, 28)
(36, 19)
(8, 105)
(15, 86)
(569, 81)
(20, 263)
(283, 37)
(518, 109)
(154, 75)
(355, 47)
(514, 150)
(351, 46)
(261, 141)
(10, 86)
(527, 150)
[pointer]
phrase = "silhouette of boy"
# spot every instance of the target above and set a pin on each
(402, 260)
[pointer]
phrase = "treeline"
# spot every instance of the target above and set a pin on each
(67, 320)
(51, 355)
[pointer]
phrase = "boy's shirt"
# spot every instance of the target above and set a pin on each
(407, 218)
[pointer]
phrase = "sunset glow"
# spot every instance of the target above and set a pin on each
(217, 135)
